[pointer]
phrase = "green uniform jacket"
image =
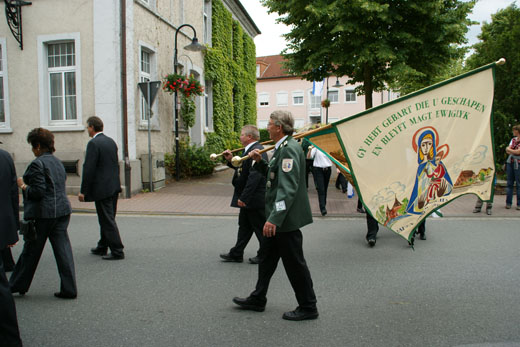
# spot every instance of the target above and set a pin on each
(286, 200)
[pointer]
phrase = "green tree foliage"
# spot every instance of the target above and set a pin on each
(372, 41)
(231, 66)
(501, 39)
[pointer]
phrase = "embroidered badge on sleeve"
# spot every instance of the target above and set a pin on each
(280, 205)
(287, 165)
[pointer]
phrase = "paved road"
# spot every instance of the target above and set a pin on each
(460, 287)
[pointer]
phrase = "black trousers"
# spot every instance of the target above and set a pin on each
(308, 170)
(7, 258)
(289, 247)
(249, 221)
(9, 333)
(321, 181)
(373, 227)
(55, 230)
(106, 211)
(341, 182)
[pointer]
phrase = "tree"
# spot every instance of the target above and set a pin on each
(501, 39)
(374, 42)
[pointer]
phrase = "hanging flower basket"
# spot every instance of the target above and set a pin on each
(325, 103)
(187, 86)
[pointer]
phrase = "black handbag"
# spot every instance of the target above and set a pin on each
(28, 229)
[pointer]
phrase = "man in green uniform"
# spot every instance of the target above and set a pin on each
(287, 209)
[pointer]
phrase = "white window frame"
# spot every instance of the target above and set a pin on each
(338, 93)
(311, 101)
(151, 76)
(282, 94)
(5, 126)
(347, 90)
(207, 22)
(208, 105)
(260, 95)
(44, 85)
(257, 70)
(298, 94)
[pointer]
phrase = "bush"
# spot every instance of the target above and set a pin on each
(193, 161)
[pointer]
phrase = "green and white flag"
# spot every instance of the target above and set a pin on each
(410, 156)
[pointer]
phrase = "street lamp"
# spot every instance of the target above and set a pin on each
(194, 46)
(338, 84)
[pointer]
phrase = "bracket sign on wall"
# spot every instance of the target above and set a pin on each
(13, 13)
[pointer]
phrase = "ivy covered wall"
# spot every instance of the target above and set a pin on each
(231, 65)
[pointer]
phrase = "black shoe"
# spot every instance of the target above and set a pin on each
(476, 210)
(371, 242)
(361, 210)
(488, 211)
(422, 237)
(250, 304)
(98, 251)
(254, 260)
(65, 295)
(230, 259)
(301, 314)
(22, 293)
(324, 212)
(113, 256)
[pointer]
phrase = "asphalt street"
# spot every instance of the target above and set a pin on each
(460, 287)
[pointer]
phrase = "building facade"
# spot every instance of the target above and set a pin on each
(85, 58)
(276, 89)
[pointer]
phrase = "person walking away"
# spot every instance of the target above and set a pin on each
(321, 171)
(100, 183)
(513, 168)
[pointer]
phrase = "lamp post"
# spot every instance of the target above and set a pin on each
(194, 46)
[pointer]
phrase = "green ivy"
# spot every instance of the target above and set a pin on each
(231, 64)
(188, 108)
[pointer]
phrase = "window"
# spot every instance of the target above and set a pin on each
(282, 99)
(4, 99)
(147, 72)
(207, 21)
(297, 98)
(144, 76)
(263, 99)
(257, 70)
(350, 95)
(333, 96)
(208, 105)
(314, 100)
(59, 65)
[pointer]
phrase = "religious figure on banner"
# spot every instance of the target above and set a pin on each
(432, 180)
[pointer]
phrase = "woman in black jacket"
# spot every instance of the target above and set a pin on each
(45, 202)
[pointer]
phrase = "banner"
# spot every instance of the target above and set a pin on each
(317, 87)
(411, 156)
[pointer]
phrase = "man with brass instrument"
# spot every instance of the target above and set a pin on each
(287, 210)
(249, 196)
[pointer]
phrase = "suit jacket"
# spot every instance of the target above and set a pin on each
(100, 177)
(286, 200)
(9, 217)
(249, 184)
(45, 196)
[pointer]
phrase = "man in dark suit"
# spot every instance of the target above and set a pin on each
(249, 196)
(100, 183)
(9, 224)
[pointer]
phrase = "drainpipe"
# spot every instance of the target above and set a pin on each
(124, 93)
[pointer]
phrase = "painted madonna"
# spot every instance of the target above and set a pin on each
(432, 180)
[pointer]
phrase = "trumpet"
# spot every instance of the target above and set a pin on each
(214, 156)
(237, 160)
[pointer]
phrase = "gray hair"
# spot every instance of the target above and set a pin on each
(283, 119)
(252, 131)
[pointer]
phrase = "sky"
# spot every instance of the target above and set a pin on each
(270, 42)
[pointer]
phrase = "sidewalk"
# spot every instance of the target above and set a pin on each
(211, 196)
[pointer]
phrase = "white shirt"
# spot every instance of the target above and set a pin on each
(249, 145)
(320, 159)
(280, 142)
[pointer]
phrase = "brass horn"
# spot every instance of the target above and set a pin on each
(237, 160)
(214, 156)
